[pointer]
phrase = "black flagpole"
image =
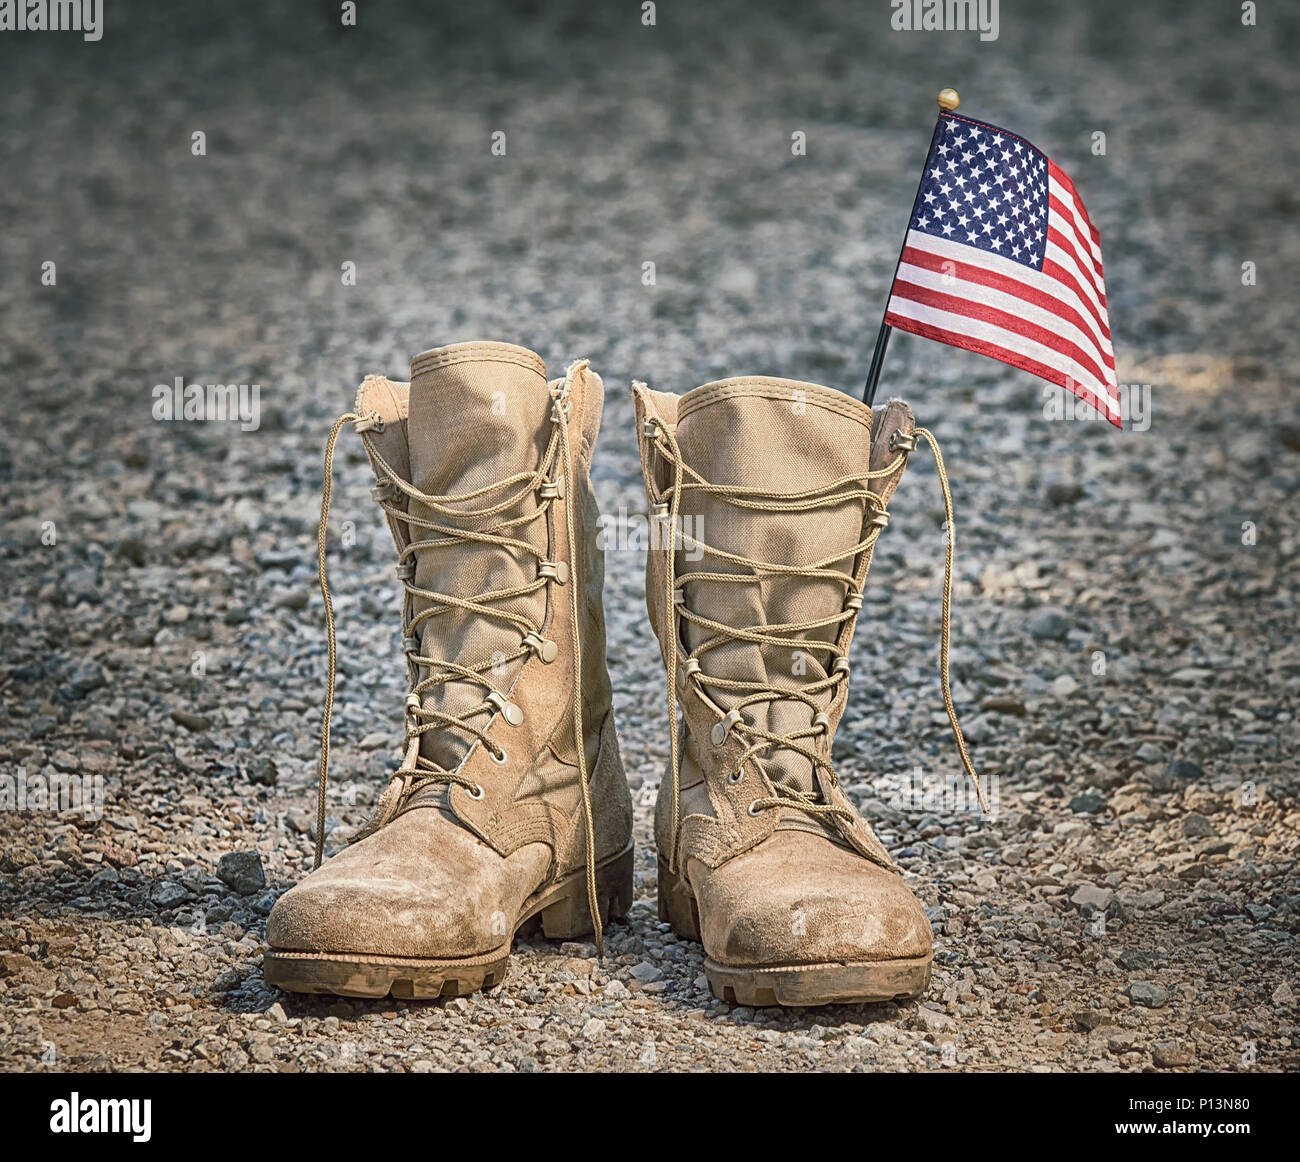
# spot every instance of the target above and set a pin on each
(948, 101)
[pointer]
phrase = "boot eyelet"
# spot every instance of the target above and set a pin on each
(735, 777)
(899, 439)
(723, 728)
(543, 648)
(556, 570)
(551, 489)
(501, 762)
(752, 806)
(853, 601)
(371, 423)
(478, 798)
(820, 720)
(507, 709)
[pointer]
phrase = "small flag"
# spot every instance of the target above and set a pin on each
(1001, 258)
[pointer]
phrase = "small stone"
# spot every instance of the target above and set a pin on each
(593, 1028)
(1087, 804)
(1151, 996)
(1064, 686)
(933, 1021)
(263, 771)
(1197, 827)
(1099, 898)
(64, 1001)
(1185, 770)
(645, 972)
(1086, 1020)
(1171, 1055)
(193, 722)
(1049, 625)
(1005, 704)
(242, 871)
(168, 894)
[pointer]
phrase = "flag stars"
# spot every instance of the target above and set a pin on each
(984, 189)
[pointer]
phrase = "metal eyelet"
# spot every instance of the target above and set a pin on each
(752, 811)
(658, 512)
(371, 423)
(735, 777)
(477, 798)
(411, 645)
(501, 762)
(552, 489)
(507, 709)
(385, 491)
(649, 429)
(900, 439)
(853, 601)
(822, 721)
(841, 666)
(878, 519)
(405, 570)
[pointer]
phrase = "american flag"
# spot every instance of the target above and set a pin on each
(1001, 258)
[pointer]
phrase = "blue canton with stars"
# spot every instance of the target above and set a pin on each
(985, 188)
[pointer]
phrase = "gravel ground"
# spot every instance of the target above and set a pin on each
(1126, 652)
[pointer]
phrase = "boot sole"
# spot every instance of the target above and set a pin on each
(561, 908)
(791, 985)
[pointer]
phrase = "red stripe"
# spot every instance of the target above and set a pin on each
(1001, 282)
(1004, 355)
(1055, 171)
(1055, 270)
(1067, 244)
(1063, 214)
(956, 305)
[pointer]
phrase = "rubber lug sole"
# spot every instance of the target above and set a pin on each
(792, 985)
(561, 909)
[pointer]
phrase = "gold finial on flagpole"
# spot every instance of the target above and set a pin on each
(948, 100)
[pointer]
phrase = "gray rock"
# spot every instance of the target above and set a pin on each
(242, 871)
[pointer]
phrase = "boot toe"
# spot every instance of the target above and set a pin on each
(799, 899)
(420, 888)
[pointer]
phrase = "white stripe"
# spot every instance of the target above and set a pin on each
(1067, 199)
(959, 252)
(1067, 259)
(977, 329)
(1000, 300)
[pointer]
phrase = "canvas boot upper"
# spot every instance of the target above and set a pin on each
(773, 493)
(482, 470)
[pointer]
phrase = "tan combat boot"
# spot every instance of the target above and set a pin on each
(494, 816)
(768, 496)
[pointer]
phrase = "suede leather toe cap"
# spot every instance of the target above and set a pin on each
(798, 898)
(421, 887)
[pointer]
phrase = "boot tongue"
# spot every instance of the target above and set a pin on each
(478, 414)
(785, 436)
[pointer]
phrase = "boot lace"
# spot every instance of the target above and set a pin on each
(424, 534)
(667, 505)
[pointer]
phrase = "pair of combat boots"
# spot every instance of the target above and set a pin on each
(767, 497)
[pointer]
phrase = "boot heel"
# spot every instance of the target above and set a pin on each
(677, 905)
(570, 915)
